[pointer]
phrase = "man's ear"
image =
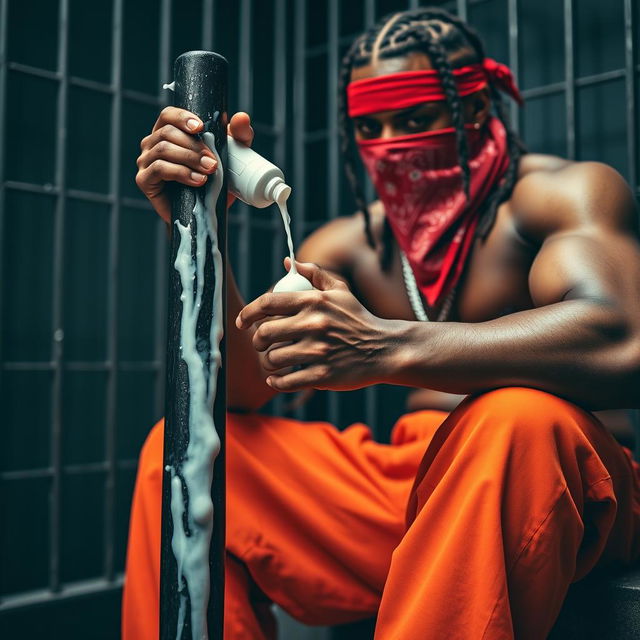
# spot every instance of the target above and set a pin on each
(477, 107)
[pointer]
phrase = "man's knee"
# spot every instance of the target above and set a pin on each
(520, 401)
(522, 415)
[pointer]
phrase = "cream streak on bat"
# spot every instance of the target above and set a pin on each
(195, 473)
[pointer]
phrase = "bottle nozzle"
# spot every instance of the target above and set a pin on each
(277, 190)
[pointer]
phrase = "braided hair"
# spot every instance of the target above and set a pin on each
(438, 34)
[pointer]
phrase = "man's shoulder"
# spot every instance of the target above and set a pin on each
(339, 243)
(553, 194)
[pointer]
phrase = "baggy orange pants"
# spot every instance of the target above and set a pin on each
(511, 497)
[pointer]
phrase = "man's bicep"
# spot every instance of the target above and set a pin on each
(600, 264)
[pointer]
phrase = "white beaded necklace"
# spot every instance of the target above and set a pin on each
(416, 299)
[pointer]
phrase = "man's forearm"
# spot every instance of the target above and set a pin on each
(246, 387)
(577, 349)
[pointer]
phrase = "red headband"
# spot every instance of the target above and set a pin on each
(408, 88)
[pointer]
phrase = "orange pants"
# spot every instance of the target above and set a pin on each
(511, 497)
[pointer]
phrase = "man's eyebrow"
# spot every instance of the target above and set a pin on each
(411, 110)
(398, 114)
(364, 118)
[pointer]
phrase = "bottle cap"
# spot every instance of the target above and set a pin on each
(277, 190)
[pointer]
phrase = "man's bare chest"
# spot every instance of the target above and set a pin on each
(494, 283)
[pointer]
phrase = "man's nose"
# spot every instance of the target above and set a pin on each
(389, 131)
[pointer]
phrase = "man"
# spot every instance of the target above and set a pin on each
(533, 265)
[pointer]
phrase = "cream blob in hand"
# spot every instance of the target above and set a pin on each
(293, 281)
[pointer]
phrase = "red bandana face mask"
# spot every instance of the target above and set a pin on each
(419, 181)
(418, 177)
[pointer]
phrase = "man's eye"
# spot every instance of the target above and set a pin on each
(416, 123)
(366, 129)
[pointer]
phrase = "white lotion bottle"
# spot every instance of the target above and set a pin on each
(252, 178)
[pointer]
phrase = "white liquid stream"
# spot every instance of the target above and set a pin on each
(293, 281)
(196, 470)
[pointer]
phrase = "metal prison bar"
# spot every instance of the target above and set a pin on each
(233, 37)
(111, 578)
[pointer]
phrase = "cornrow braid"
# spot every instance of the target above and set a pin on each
(347, 144)
(425, 30)
(515, 149)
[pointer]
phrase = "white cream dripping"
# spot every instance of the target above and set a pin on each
(196, 470)
(293, 281)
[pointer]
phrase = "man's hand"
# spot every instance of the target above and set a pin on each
(334, 340)
(172, 152)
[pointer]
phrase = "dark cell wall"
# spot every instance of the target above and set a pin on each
(82, 292)
(83, 257)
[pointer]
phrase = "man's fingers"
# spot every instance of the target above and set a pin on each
(318, 277)
(150, 180)
(272, 332)
(170, 133)
(287, 330)
(291, 355)
(240, 128)
(180, 118)
(275, 304)
(314, 376)
(175, 154)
